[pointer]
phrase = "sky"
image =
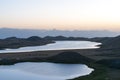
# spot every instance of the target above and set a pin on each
(61, 14)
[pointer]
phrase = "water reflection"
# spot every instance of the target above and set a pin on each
(43, 71)
(59, 45)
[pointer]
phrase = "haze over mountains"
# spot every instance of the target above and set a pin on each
(23, 33)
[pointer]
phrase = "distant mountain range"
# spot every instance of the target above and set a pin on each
(24, 33)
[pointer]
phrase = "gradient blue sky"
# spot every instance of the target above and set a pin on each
(60, 14)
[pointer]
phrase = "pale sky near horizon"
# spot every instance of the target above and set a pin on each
(61, 14)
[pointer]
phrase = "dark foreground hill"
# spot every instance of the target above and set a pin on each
(69, 57)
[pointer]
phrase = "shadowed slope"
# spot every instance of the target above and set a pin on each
(69, 57)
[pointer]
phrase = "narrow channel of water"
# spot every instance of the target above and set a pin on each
(59, 45)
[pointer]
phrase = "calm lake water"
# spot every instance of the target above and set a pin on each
(43, 71)
(59, 45)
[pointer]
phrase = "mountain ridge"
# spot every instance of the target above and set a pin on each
(24, 33)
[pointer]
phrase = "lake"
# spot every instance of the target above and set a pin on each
(58, 45)
(43, 71)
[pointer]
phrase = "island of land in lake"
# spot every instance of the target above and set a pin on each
(105, 60)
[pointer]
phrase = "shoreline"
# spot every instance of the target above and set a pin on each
(103, 60)
(94, 54)
(90, 56)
